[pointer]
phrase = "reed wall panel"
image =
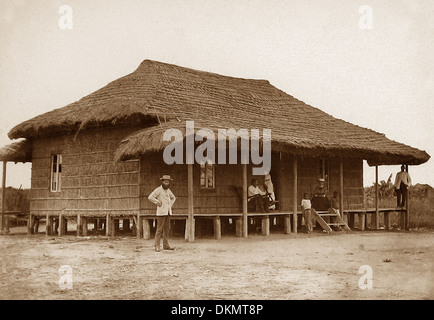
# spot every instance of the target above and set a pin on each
(92, 183)
(222, 199)
(40, 183)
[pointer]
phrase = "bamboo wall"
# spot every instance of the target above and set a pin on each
(91, 183)
(224, 199)
(309, 172)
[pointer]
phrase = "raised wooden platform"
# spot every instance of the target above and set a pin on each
(7, 215)
(364, 212)
(57, 224)
(144, 222)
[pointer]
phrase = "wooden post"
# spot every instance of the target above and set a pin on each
(36, 225)
(217, 228)
(245, 218)
(286, 218)
(190, 202)
(84, 222)
(402, 219)
(56, 225)
(61, 225)
(341, 187)
(3, 197)
(375, 218)
(294, 203)
(109, 226)
(386, 220)
(30, 224)
(65, 226)
(79, 225)
(407, 202)
(190, 226)
(146, 229)
(48, 225)
(6, 224)
(113, 226)
(362, 221)
(287, 224)
(138, 226)
(265, 227)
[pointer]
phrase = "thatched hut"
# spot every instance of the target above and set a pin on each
(101, 156)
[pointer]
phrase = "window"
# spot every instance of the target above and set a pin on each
(56, 172)
(207, 175)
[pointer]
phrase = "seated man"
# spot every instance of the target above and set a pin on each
(334, 203)
(334, 208)
(320, 202)
(257, 199)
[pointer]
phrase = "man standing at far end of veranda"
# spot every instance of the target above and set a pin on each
(164, 199)
(402, 183)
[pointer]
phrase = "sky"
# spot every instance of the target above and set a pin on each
(367, 62)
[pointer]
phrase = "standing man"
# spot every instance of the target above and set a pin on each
(402, 182)
(306, 209)
(164, 199)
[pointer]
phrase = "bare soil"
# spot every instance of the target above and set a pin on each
(301, 266)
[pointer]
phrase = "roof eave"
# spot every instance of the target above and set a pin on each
(20, 151)
(150, 140)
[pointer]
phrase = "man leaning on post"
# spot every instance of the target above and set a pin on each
(164, 199)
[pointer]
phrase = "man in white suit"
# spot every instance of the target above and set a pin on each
(164, 199)
(402, 183)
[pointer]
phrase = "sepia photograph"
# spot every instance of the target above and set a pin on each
(228, 152)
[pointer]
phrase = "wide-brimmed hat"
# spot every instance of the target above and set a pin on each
(321, 180)
(166, 177)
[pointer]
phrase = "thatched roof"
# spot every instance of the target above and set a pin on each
(163, 93)
(382, 151)
(20, 151)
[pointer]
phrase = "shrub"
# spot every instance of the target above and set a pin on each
(421, 204)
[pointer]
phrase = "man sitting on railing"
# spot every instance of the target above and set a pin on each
(257, 200)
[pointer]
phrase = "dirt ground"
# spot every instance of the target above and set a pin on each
(315, 266)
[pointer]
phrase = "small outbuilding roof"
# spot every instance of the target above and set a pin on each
(20, 151)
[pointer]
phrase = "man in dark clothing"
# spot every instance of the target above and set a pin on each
(402, 182)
